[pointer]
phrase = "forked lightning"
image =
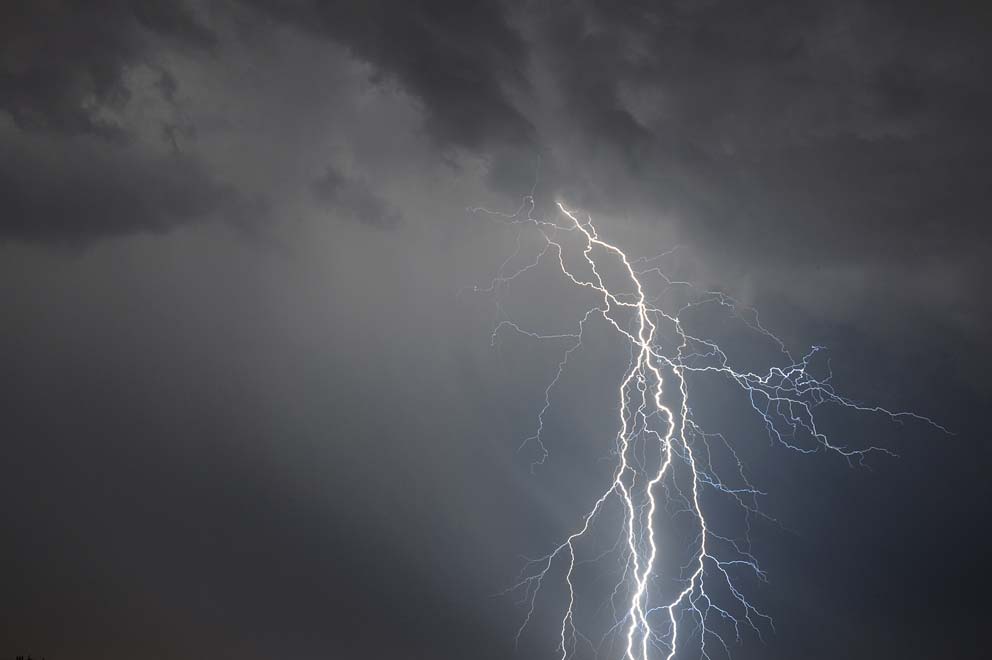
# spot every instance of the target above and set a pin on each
(658, 440)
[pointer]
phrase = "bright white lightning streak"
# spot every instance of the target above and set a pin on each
(784, 397)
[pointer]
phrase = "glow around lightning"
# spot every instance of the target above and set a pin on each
(664, 460)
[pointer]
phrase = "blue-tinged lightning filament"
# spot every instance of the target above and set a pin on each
(654, 410)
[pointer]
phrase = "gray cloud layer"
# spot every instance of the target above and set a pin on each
(769, 129)
(303, 444)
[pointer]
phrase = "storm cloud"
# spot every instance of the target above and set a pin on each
(252, 404)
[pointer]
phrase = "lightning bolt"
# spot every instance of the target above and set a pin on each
(663, 455)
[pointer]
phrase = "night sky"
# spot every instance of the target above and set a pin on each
(250, 406)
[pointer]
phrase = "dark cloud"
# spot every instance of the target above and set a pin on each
(354, 199)
(71, 170)
(775, 132)
(461, 60)
(81, 192)
(61, 63)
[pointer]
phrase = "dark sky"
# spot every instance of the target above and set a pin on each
(250, 411)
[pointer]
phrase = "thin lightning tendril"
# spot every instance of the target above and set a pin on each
(783, 397)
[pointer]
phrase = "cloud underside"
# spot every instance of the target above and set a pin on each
(771, 127)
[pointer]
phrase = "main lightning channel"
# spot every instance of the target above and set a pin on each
(785, 398)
